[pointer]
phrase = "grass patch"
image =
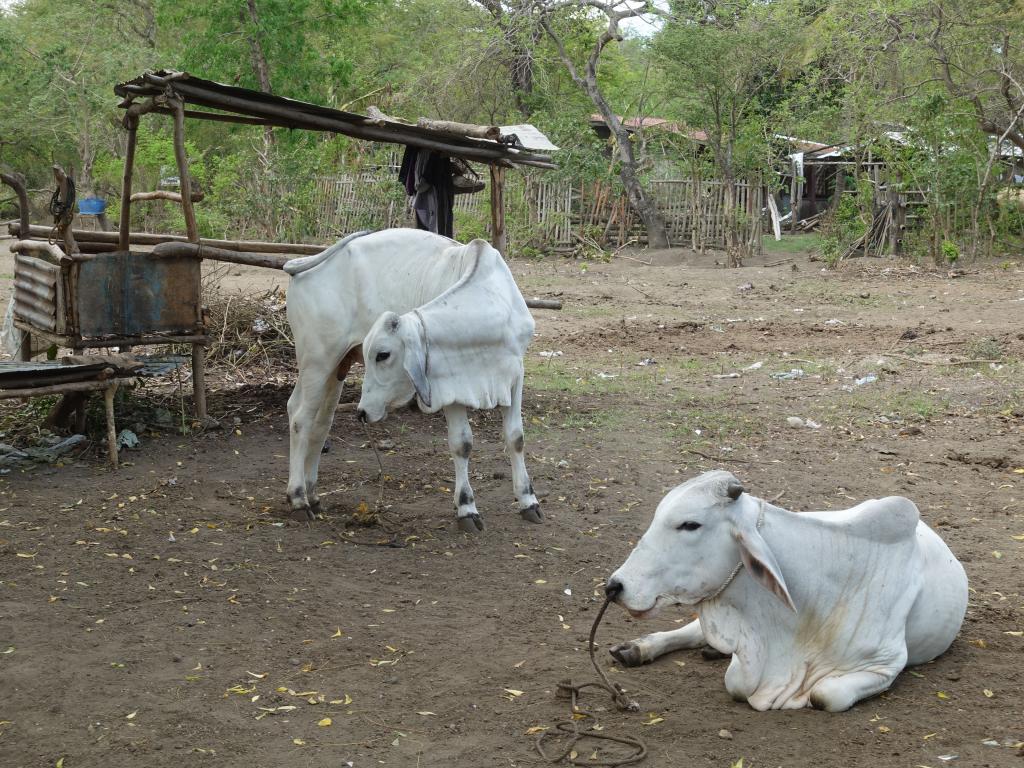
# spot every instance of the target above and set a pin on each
(591, 377)
(907, 406)
(792, 244)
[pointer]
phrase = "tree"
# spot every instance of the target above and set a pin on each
(57, 90)
(586, 78)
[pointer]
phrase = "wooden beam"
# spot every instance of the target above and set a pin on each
(165, 194)
(200, 251)
(153, 238)
(40, 248)
(491, 132)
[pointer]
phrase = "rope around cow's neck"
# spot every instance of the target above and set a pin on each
(566, 690)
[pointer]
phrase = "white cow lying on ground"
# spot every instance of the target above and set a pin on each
(464, 349)
(819, 608)
(333, 299)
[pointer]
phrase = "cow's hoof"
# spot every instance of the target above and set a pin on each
(303, 514)
(315, 509)
(712, 654)
(627, 654)
(471, 524)
(532, 514)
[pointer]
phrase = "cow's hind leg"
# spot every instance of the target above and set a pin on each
(839, 693)
(460, 443)
(646, 649)
(303, 407)
(512, 426)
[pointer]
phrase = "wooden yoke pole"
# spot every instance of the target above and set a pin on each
(498, 237)
(131, 122)
(192, 231)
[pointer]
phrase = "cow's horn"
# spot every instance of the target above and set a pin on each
(734, 489)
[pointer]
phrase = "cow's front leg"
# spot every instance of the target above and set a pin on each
(460, 443)
(646, 649)
(303, 407)
(512, 423)
(317, 435)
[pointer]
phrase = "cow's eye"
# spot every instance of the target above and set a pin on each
(689, 525)
(382, 356)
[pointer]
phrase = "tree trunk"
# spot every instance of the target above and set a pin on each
(641, 202)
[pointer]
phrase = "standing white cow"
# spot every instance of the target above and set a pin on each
(464, 349)
(333, 299)
(819, 608)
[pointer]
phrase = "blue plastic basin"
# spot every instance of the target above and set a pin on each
(92, 206)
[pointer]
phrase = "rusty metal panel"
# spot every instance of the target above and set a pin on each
(39, 293)
(134, 294)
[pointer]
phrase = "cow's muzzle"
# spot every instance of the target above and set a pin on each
(613, 589)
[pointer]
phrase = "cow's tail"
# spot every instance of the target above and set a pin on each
(295, 266)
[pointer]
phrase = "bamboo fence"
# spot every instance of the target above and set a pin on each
(560, 214)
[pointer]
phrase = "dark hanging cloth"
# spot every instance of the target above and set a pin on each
(428, 179)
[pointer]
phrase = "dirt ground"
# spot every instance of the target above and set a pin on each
(168, 614)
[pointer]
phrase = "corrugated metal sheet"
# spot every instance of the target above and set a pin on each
(15, 374)
(39, 293)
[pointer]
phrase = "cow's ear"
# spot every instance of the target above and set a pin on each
(415, 360)
(758, 559)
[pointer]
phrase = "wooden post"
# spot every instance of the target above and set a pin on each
(199, 380)
(25, 347)
(108, 402)
(131, 122)
(192, 232)
(63, 223)
(185, 179)
(498, 237)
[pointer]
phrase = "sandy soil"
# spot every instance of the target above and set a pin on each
(168, 614)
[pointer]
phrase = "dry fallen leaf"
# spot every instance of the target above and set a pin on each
(338, 633)
(131, 715)
(988, 693)
(884, 729)
(942, 695)
(325, 722)
(536, 729)
(425, 713)
(299, 742)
